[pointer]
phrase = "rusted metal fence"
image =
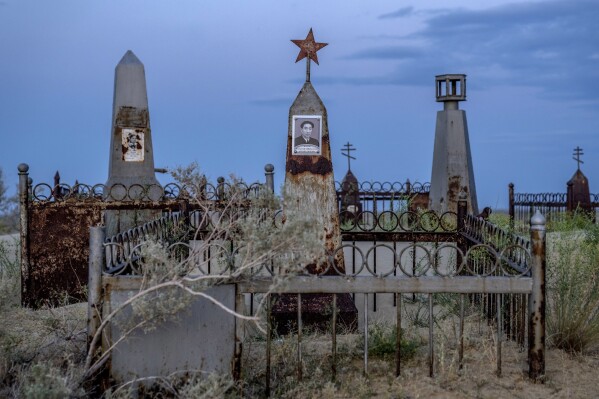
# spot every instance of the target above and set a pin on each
(554, 206)
(377, 197)
(55, 221)
(482, 264)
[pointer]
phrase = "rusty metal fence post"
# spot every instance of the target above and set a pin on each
(239, 333)
(220, 188)
(570, 206)
(97, 234)
(536, 330)
(24, 230)
(269, 174)
(511, 209)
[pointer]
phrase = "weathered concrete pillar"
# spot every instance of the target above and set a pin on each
(452, 162)
(131, 151)
(310, 184)
(309, 176)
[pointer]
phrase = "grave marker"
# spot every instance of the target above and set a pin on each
(131, 168)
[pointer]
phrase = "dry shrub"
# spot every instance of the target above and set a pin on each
(573, 290)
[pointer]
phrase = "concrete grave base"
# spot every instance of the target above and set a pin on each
(199, 338)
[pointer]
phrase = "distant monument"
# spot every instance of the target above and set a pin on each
(452, 162)
(310, 182)
(131, 169)
(578, 195)
(350, 189)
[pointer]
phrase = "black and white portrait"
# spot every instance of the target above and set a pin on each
(307, 134)
(133, 145)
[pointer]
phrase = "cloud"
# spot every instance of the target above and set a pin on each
(547, 45)
(402, 12)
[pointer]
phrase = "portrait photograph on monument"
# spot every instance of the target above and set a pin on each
(307, 134)
(133, 145)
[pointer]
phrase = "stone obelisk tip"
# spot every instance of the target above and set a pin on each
(129, 58)
(130, 83)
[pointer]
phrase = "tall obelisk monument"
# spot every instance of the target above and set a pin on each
(131, 151)
(309, 169)
(310, 186)
(452, 161)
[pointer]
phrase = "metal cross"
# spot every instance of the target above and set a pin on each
(308, 48)
(348, 148)
(577, 153)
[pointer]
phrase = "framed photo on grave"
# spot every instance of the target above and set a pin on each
(306, 132)
(133, 144)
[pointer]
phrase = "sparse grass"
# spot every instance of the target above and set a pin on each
(501, 220)
(382, 342)
(578, 220)
(573, 290)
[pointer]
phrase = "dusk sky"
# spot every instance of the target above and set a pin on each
(221, 78)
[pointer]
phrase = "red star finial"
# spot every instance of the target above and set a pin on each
(308, 48)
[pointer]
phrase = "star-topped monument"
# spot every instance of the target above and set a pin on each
(308, 48)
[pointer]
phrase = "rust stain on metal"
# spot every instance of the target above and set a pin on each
(536, 331)
(308, 47)
(59, 251)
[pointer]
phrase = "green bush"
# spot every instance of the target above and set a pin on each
(382, 338)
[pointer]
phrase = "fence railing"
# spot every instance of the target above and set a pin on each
(43, 192)
(554, 206)
(485, 269)
(378, 197)
(123, 251)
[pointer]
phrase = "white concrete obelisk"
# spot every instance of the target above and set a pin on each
(131, 151)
